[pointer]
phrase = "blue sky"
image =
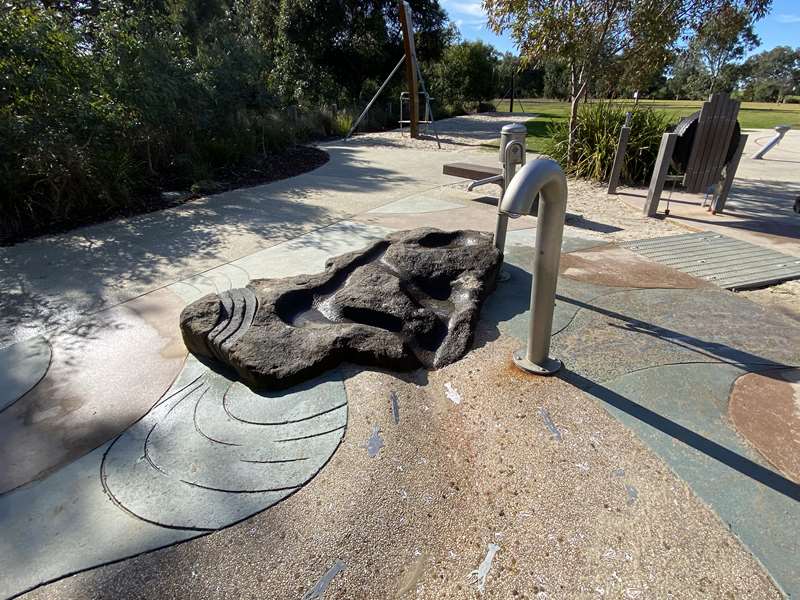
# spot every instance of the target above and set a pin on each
(780, 28)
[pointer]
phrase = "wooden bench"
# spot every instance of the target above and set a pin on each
(471, 171)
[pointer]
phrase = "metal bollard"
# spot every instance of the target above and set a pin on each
(542, 176)
(780, 132)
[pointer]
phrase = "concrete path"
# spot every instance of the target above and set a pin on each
(633, 474)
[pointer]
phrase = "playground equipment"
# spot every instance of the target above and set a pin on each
(780, 131)
(538, 182)
(619, 157)
(512, 89)
(705, 149)
(427, 120)
(512, 154)
(544, 177)
(416, 83)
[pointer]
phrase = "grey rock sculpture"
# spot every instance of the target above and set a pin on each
(409, 300)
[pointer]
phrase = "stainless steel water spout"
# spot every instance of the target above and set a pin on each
(542, 176)
(498, 179)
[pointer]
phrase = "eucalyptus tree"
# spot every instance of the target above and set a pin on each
(772, 75)
(585, 33)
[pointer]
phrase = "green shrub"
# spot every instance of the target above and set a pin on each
(596, 137)
(342, 122)
(791, 99)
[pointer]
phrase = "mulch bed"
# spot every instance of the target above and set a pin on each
(272, 167)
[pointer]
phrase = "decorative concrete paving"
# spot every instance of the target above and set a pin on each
(206, 439)
(209, 454)
(215, 452)
(493, 468)
(765, 408)
(664, 361)
(591, 510)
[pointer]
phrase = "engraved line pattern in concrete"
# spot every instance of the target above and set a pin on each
(210, 453)
(193, 463)
(22, 366)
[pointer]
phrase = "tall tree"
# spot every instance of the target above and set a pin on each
(772, 75)
(466, 73)
(584, 33)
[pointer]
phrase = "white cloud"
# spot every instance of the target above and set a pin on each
(788, 18)
(473, 9)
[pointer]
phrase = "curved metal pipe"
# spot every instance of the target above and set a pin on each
(542, 176)
(498, 179)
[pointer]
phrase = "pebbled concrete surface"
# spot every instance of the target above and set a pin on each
(594, 514)
(580, 504)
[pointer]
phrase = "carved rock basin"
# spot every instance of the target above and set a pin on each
(409, 300)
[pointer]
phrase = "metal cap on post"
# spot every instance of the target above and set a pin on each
(509, 133)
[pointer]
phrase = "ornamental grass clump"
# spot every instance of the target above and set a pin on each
(596, 137)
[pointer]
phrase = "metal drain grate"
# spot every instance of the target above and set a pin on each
(726, 262)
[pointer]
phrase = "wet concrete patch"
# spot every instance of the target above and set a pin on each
(104, 375)
(612, 266)
(765, 408)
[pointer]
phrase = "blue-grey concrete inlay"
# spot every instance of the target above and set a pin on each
(548, 422)
(375, 442)
(395, 407)
(207, 465)
(210, 453)
(319, 588)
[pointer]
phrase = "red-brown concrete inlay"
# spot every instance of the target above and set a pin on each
(765, 408)
(613, 266)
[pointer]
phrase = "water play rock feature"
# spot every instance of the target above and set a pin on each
(409, 300)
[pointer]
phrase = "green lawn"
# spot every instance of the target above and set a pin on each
(752, 115)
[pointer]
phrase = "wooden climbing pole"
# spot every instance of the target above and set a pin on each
(411, 67)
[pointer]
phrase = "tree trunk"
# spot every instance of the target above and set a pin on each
(573, 120)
